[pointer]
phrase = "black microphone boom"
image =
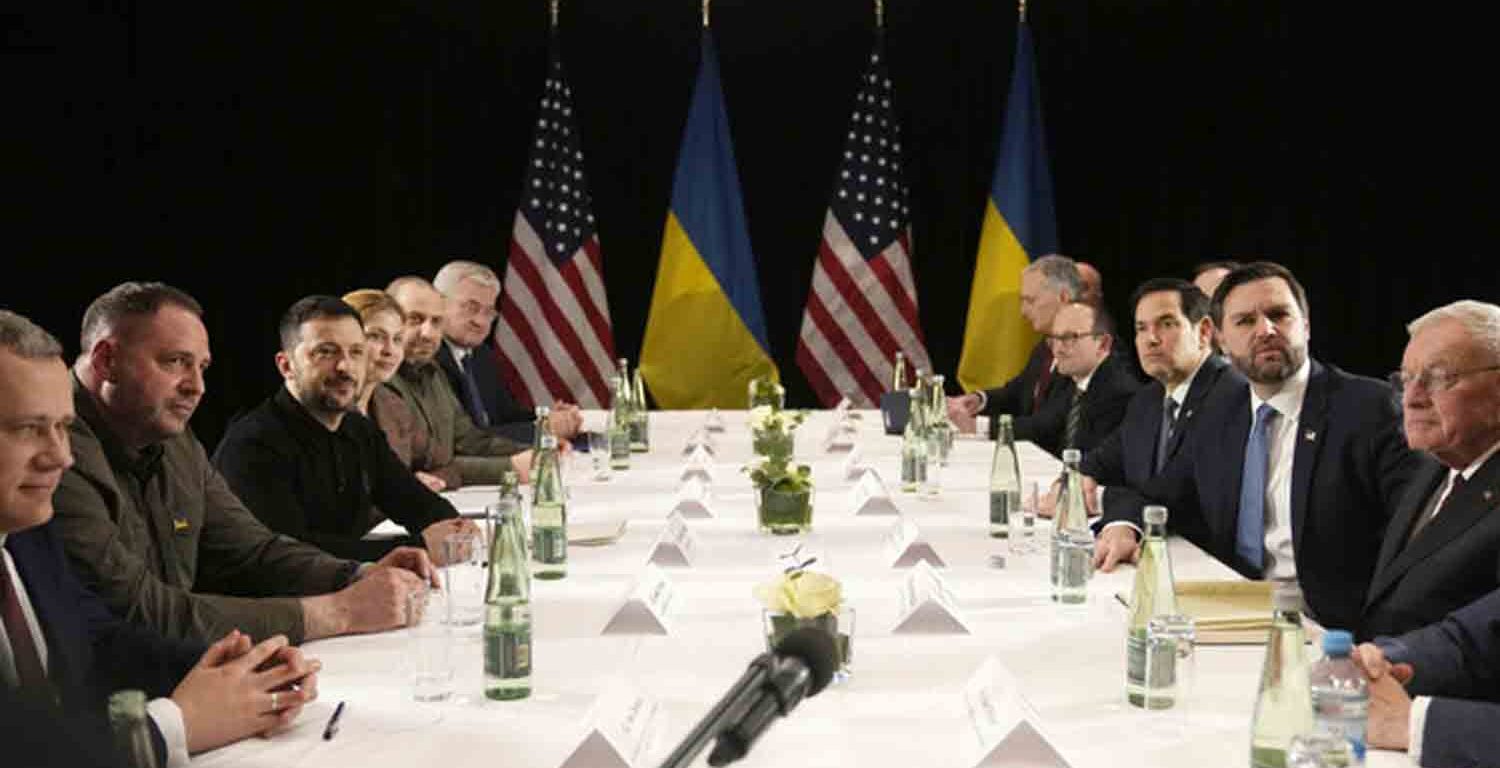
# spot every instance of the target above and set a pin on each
(802, 665)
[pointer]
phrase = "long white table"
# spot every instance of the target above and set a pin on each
(901, 707)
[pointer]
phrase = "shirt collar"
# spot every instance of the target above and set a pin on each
(1179, 393)
(1083, 383)
(1474, 466)
(459, 353)
(1288, 400)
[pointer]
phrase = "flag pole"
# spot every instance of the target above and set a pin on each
(880, 14)
(1023, 11)
(554, 5)
(705, 14)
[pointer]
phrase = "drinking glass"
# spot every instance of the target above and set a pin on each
(431, 646)
(464, 576)
(599, 454)
(1022, 522)
(1171, 661)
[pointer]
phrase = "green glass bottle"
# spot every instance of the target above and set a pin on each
(914, 443)
(507, 611)
(1072, 543)
(898, 373)
(621, 417)
(1283, 709)
(132, 736)
(1005, 479)
(640, 426)
(1155, 594)
(942, 428)
(549, 513)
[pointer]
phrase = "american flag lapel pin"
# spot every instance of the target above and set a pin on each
(1489, 495)
(1310, 436)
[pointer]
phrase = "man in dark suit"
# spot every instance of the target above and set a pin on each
(1442, 548)
(1453, 670)
(61, 650)
(1174, 341)
(470, 361)
(1090, 402)
(1293, 476)
(1046, 285)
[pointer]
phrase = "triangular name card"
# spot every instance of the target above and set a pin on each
(621, 729)
(904, 547)
(927, 606)
(714, 422)
(694, 499)
(700, 464)
(870, 497)
(676, 546)
(646, 608)
(1002, 726)
(854, 464)
(700, 439)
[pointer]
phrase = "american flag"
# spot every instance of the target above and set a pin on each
(863, 304)
(554, 332)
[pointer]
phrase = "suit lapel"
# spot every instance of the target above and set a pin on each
(1310, 424)
(1140, 459)
(1207, 377)
(1463, 508)
(1223, 511)
(1418, 491)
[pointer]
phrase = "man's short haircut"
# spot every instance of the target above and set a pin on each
(459, 270)
(369, 302)
(1102, 321)
(1060, 272)
(315, 307)
(1249, 273)
(25, 339)
(127, 301)
(1208, 266)
(1481, 319)
(407, 281)
(1190, 298)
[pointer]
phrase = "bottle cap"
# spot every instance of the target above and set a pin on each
(1072, 456)
(1006, 418)
(1155, 515)
(1287, 596)
(1338, 642)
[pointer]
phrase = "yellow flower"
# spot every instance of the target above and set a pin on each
(804, 594)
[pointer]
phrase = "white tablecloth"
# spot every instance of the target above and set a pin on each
(901, 707)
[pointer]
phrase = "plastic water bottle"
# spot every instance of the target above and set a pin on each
(1341, 697)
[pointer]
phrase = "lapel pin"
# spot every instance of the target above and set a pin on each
(179, 525)
(1489, 495)
(1187, 415)
(1310, 436)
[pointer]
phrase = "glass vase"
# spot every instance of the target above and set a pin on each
(839, 624)
(784, 512)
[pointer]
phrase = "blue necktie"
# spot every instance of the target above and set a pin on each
(471, 392)
(1250, 533)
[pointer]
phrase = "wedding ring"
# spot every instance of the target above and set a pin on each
(274, 703)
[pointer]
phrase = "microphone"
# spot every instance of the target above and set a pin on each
(802, 665)
(806, 661)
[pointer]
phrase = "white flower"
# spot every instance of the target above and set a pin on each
(759, 416)
(804, 594)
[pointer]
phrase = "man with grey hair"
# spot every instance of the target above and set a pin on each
(61, 648)
(1046, 285)
(479, 456)
(154, 529)
(470, 361)
(1442, 546)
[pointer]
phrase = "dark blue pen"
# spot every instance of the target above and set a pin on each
(333, 722)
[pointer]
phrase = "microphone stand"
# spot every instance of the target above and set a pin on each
(725, 713)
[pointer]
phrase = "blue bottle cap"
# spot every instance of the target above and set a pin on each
(1338, 642)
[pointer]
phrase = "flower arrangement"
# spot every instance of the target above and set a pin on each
(802, 598)
(764, 390)
(771, 437)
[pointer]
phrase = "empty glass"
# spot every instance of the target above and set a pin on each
(1022, 523)
(431, 648)
(464, 574)
(599, 455)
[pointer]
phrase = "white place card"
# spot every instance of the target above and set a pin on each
(646, 607)
(927, 606)
(714, 422)
(700, 440)
(854, 464)
(870, 497)
(700, 464)
(838, 439)
(622, 727)
(675, 547)
(1003, 727)
(694, 500)
(905, 547)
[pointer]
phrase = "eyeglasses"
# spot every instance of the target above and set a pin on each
(472, 307)
(1063, 339)
(1434, 379)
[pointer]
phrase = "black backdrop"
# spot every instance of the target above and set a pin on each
(255, 152)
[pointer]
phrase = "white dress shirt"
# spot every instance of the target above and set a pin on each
(1281, 438)
(164, 712)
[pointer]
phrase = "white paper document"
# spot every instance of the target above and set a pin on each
(927, 606)
(1003, 728)
(621, 731)
(905, 547)
(646, 608)
(675, 547)
(870, 497)
(694, 500)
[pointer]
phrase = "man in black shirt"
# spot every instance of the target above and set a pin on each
(310, 467)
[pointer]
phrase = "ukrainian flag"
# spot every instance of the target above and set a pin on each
(1018, 226)
(706, 334)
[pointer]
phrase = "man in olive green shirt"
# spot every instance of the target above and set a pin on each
(151, 526)
(481, 457)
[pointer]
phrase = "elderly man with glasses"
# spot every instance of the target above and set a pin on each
(1442, 547)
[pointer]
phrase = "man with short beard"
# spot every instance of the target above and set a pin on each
(311, 467)
(1293, 475)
